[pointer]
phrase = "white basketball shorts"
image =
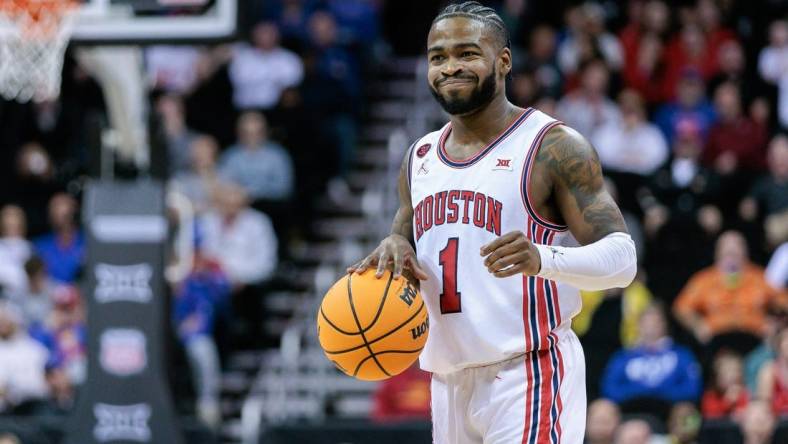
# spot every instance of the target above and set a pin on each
(536, 398)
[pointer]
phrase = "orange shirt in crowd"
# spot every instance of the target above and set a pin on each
(729, 302)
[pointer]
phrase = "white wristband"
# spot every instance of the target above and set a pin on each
(607, 263)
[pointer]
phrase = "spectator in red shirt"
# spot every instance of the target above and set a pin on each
(642, 39)
(403, 397)
(646, 68)
(773, 377)
(736, 146)
(735, 142)
(728, 395)
(651, 17)
(717, 35)
(686, 51)
(696, 45)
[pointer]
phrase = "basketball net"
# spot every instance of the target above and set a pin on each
(33, 41)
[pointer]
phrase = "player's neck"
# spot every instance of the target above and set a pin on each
(484, 125)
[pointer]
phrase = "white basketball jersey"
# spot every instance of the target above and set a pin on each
(459, 206)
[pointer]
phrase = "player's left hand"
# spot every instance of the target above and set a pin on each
(511, 254)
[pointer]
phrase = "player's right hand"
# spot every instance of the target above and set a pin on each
(395, 250)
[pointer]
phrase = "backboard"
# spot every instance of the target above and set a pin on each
(153, 21)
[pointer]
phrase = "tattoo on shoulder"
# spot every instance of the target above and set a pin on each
(572, 161)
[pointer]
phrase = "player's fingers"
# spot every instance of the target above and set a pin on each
(502, 240)
(504, 262)
(398, 262)
(383, 261)
(510, 271)
(353, 267)
(418, 272)
(502, 251)
(366, 263)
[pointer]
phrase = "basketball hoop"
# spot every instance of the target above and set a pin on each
(33, 39)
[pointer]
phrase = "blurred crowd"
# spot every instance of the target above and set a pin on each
(686, 103)
(256, 132)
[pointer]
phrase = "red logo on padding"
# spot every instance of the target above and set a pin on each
(503, 163)
(423, 150)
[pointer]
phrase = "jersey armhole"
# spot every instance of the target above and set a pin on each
(409, 153)
(530, 159)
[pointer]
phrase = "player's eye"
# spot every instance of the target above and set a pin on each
(436, 58)
(468, 54)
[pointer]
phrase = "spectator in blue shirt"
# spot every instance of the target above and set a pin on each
(357, 20)
(655, 369)
(199, 300)
(690, 105)
(62, 250)
(262, 167)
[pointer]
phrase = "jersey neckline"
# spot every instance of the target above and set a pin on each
(464, 163)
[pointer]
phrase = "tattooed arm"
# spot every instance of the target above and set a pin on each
(576, 175)
(398, 249)
(403, 220)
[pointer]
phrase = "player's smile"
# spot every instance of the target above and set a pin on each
(456, 81)
(456, 85)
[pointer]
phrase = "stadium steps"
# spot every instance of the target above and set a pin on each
(236, 382)
(373, 156)
(379, 132)
(308, 386)
(361, 180)
(389, 111)
(392, 89)
(341, 227)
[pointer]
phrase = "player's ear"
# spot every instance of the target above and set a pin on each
(504, 62)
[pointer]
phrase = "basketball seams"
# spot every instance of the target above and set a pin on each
(379, 338)
(382, 303)
(374, 320)
(358, 323)
(374, 356)
(359, 358)
(348, 333)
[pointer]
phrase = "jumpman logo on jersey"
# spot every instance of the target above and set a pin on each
(423, 168)
(555, 251)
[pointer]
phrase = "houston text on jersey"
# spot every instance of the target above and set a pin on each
(458, 206)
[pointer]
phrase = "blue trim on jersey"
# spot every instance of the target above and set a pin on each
(537, 388)
(556, 394)
(526, 174)
(548, 289)
(533, 312)
(478, 156)
(536, 380)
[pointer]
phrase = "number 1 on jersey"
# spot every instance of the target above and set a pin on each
(450, 299)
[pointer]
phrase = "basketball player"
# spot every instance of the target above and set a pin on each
(490, 208)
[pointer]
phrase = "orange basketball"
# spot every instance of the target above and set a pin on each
(372, 328)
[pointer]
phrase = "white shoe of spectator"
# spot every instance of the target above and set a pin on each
(209, 413)
(338, 191)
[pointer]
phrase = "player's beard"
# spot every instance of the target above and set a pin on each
(479, 98)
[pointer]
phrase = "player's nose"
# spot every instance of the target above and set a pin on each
(451, 68)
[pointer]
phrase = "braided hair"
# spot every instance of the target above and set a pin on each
(476, 11)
